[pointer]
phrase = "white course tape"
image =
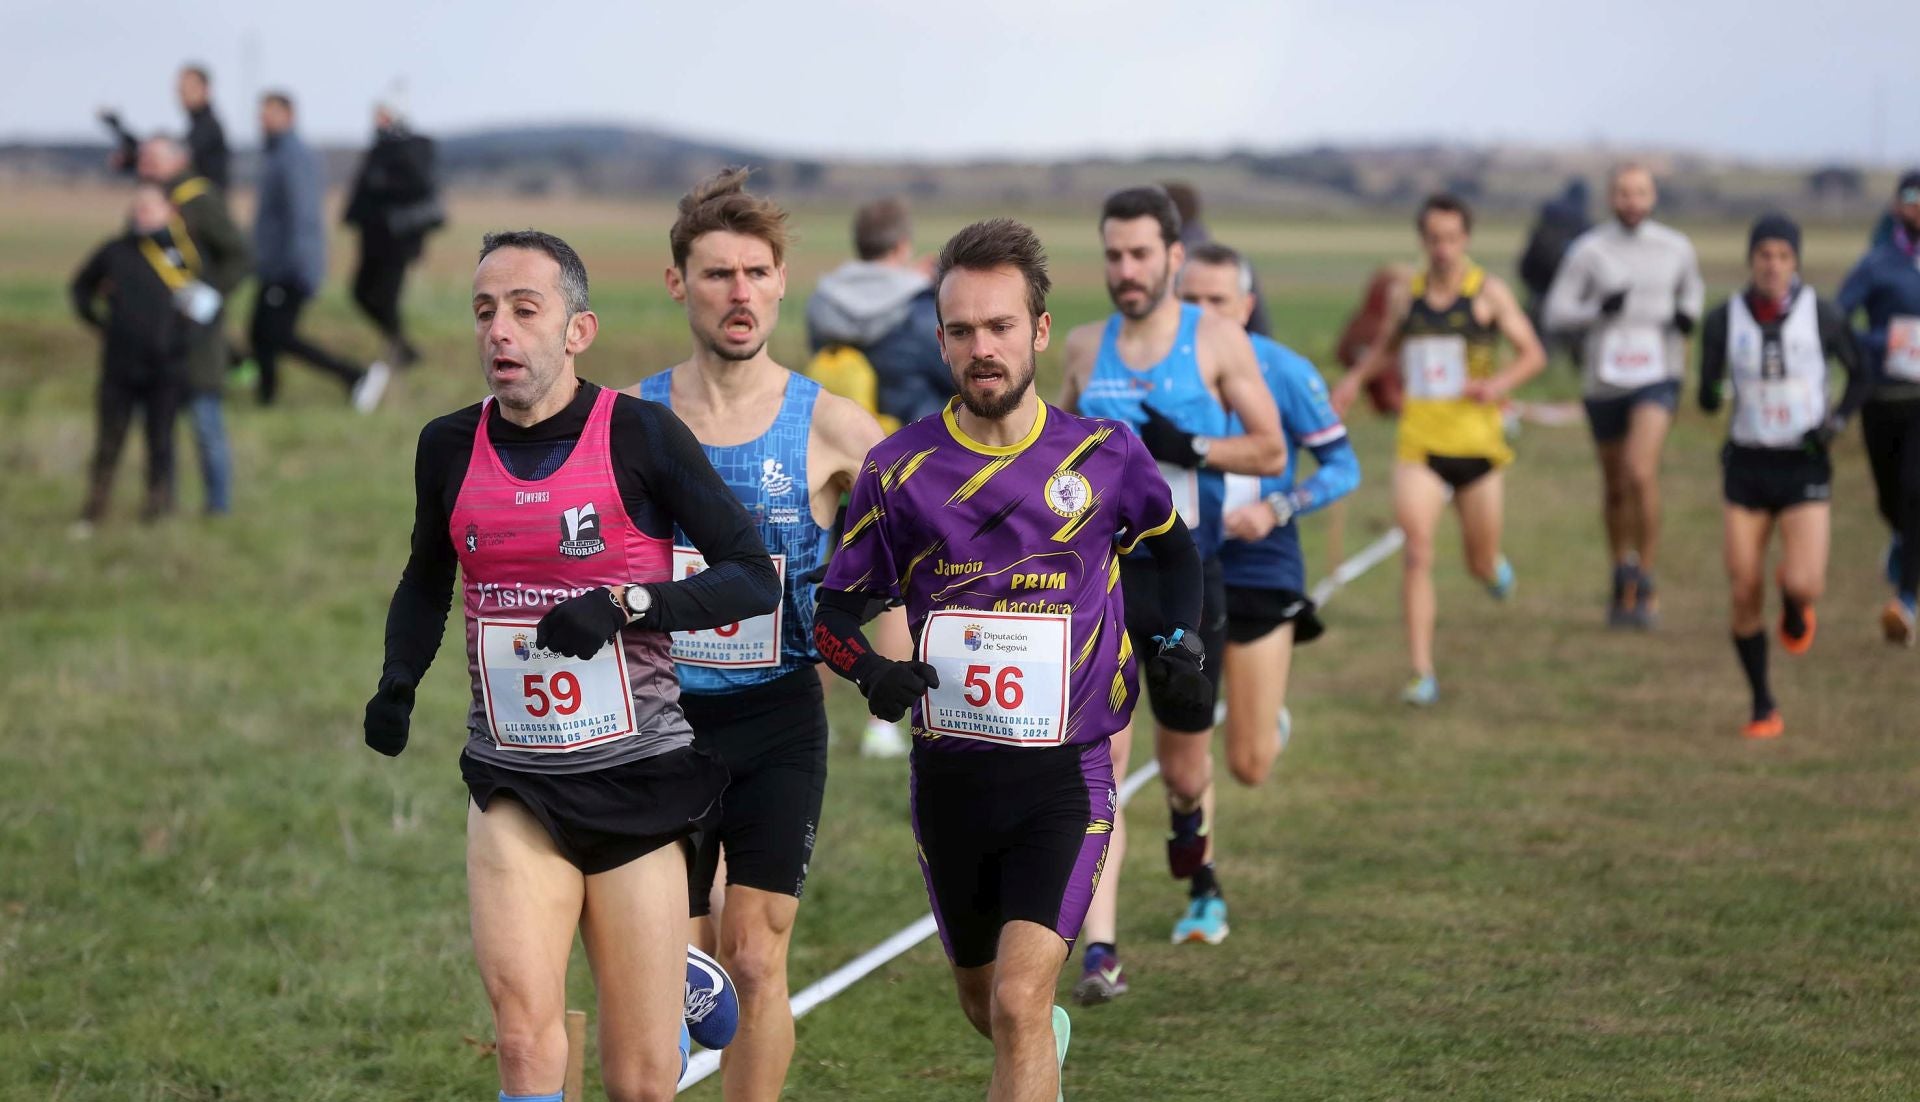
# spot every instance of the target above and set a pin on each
(706, 1062)
(1370, 556)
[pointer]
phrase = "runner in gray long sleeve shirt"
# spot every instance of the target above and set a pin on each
(1631, 291)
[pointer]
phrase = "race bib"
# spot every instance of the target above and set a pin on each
(1242, 490)
(540, 701)
(1903, 348)
(1184, 484)
(749, 644)
(1435, 368)
(1778, 412)
(1003, 676)
(1632, 356)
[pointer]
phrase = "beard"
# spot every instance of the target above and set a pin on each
(734, 353)
(1155, 294)
(995, 407)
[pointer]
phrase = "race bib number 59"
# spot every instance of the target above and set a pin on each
(541, 701)
(1003, 676)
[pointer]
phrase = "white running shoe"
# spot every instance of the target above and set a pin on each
(882, 740)
(1286, 728)
(367, 392)
(1062, 1035)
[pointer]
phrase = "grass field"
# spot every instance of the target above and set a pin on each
(1572, 880)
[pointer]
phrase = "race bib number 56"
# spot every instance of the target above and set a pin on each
(541, 701)
(1003, 676)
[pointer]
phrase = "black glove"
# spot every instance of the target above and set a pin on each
(579, 626)
(896, 685)
(388, 715)
(1176, 675)
(1167, 443)
(1613, 303)
(1683, 323)
(1819, 438)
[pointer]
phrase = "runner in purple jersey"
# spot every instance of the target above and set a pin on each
(1000, 525)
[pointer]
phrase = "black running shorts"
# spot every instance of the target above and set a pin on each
(1459, 471)
(1770, 480)
(773, 740)
(1254, 613)
(603, 819)
(1010, 833)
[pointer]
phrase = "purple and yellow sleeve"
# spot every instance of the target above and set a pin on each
(863, 561)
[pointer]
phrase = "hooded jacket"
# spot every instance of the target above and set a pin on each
(887, 312)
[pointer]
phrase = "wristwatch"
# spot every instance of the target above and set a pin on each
(637, 600)
(1201, 446)
(1282, 505)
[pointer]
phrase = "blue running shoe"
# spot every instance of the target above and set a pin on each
(686, 1049)
(1501, 587)
(1205, 920)
(713, 1005)
(1422, 692)
(1062, 1033)
(1285, 728)
(1893, 561)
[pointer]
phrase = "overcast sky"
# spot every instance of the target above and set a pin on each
(1772, 79)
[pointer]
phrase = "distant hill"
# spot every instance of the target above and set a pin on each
(614, 160)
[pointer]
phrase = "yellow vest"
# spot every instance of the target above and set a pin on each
(1452, 427)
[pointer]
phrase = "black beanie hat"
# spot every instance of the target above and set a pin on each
(1774, 227)
(1910, 180)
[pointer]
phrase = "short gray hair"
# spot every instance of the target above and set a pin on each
(1212, 252)
(573, 271)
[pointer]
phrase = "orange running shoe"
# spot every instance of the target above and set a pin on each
(1802, 643)
(1897, 623)
(1767, 726)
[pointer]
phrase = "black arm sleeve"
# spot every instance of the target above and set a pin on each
(739, 581)
(417, 617)
(1836, 340)
(837, 635)
(86, 289)
(1713, 358)
(1181, 579)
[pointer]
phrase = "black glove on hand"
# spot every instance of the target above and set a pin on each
(1176, 676)
(579, 626)
(1820, 438)
(1613, 303)
(892, 690)
(1683, 323)
(1167, 443)
(389, 714)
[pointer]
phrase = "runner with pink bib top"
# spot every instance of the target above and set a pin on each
(557, 499)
